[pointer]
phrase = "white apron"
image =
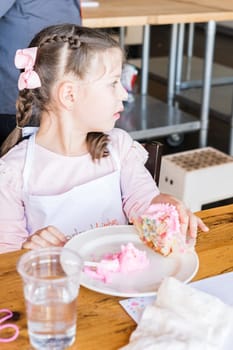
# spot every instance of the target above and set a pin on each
(94, 204)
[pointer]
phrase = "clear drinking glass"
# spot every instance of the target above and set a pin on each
(51, 280)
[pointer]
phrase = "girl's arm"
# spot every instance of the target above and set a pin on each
(139, 189)
(190, 223)
(46, 237)
(13, 230)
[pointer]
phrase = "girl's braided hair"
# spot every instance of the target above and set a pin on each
(62, 49)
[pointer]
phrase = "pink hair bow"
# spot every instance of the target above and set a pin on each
(25, 59)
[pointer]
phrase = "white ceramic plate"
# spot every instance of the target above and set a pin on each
(93, 244)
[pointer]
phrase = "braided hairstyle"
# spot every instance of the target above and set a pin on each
(62, 49)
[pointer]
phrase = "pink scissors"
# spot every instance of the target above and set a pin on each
(8, 315)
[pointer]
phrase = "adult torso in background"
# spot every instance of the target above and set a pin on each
(20, 20)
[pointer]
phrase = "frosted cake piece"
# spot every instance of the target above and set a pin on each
(159, 228)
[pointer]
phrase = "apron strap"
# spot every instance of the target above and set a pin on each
(28, 162)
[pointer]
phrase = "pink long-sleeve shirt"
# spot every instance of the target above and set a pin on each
(54, 173)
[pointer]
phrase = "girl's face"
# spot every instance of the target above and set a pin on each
(101, 94)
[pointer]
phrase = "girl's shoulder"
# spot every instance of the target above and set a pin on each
(12, 163)
(16, 154)
(126, 147)
(120, 137)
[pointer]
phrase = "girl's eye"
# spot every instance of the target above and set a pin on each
(114, 83)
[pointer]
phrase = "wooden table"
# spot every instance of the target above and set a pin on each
(102, 323)
(152, 118)
(117, 13)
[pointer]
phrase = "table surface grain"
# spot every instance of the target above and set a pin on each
(102, 323)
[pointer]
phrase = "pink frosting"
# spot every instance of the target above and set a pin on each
(164, 213)
(129, 259)
(159, 228)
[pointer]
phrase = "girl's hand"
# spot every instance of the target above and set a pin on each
(48, 236)
(190, 223)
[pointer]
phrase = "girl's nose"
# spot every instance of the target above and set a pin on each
(123, 93)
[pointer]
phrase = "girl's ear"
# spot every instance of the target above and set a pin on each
(67, 94)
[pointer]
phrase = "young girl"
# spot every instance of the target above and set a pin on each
(75, 172)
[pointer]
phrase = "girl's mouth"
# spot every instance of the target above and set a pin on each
(116, 115)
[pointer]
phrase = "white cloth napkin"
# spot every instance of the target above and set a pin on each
(182, 318)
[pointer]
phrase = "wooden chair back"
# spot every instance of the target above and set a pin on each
(153, 164)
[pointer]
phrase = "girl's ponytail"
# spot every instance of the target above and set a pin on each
(23, 116)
